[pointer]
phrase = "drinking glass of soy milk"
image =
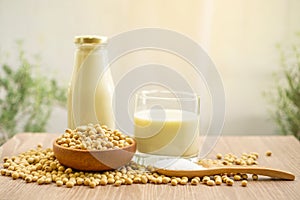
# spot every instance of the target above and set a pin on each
(166, 123)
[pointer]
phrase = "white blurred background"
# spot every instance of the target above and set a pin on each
(239, 35)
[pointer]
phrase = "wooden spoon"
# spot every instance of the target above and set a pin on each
(276, 173)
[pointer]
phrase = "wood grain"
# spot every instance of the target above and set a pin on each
(286, 156)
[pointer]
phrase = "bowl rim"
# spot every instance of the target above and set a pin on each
(92, 151)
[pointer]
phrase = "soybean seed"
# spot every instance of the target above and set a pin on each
(210, 183)
(118, 183)
(244, 176)
(35, 178)
(5, 159)
(103, 181)
(65, 180)
(183, 181)
(28, 178)
(197, 178)
(218, 181)
(237, 177)
(244, 183)
(69, 184)
(14, 175)
(174, 182)
(3, 172)
(79, 181)
(40, 181)
(268, 153)
(48, 180)
(6, 165)
(185, 178)
(219, 156)
(59, 183)
(144, 179)
(194, 181)
(86, 181)
(93, 184)
(128, 181)
(166, 180)
(254, 177)
(224, 178)
(137, 180)
(205, 179)
(229, 182)
(110, 181)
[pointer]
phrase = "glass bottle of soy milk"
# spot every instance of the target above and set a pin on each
(91, 87)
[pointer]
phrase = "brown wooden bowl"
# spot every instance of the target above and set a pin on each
(93, 160)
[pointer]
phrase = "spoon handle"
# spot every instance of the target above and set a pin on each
(276, 173)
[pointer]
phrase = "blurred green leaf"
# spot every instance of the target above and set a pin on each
(27, 98)
(286, 99)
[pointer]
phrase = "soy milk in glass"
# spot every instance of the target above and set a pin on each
(166, 123)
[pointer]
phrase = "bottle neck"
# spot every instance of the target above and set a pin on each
(88, 51)
(90, 48)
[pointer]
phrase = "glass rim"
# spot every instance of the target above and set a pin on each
(178, 95)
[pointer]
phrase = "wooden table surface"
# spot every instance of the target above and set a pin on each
(286, 156)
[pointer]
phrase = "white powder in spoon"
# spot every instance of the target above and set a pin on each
(177, 164)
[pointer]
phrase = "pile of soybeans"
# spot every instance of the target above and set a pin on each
(40, 165)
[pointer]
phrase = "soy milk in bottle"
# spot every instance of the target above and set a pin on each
(91, 87)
